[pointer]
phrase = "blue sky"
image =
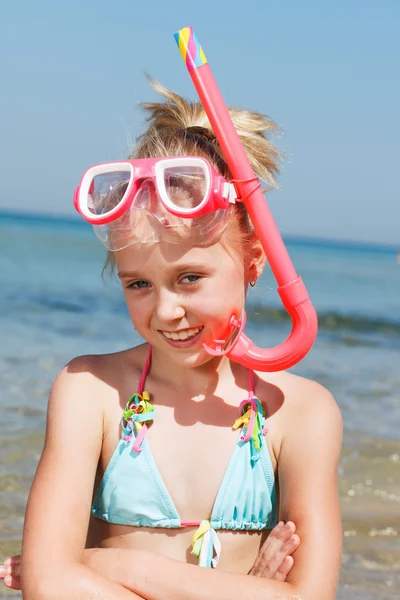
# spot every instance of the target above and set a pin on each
(326, 72)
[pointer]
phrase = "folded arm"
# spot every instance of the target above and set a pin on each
(58, 510)
(274, 560)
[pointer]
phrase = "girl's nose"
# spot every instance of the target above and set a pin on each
(169, 306)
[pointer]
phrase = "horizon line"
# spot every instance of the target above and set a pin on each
(295, 238)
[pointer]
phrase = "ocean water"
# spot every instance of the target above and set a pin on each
(54, 305)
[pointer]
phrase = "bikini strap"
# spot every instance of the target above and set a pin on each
(251, 383)
(252, 420)
(145, 371)
(138, 411)
(251, 395)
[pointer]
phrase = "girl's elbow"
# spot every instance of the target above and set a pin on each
(34, 590)
(48, 585)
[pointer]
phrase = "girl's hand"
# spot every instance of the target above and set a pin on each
(274, 559)
(10, 572)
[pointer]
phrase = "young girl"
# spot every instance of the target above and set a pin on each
(154, 483)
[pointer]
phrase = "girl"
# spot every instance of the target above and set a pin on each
(174, 459)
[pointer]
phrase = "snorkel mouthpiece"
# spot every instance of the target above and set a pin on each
(291, 288)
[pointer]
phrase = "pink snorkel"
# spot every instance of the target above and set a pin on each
(291, 288)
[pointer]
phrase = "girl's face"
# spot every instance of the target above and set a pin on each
(181, 296)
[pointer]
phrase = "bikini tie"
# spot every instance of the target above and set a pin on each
(206, 545)
(253, 420)
(137, 414)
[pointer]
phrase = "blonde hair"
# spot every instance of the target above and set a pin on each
(179, 127)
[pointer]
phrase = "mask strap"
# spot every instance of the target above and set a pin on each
(255, 188)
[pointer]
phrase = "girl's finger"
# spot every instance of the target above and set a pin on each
(14, 569)
(10, 569)
(256, 568)
(13, 560)
(270, 551)
(284, 569)
(287, 549)
(13, 583)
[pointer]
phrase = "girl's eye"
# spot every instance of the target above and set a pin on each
(138, 285)
(191, 278)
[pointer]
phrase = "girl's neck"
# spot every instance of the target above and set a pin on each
(194, 380)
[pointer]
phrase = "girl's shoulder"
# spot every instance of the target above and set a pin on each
(101, 376)
(111, 364)
(293, 401)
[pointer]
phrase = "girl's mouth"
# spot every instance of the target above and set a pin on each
(183, 338)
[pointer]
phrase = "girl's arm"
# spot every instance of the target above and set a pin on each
(307, 473)
(58, 510)
(273, 561)
(308, 467)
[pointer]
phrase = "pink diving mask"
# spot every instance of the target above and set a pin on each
(149, 200)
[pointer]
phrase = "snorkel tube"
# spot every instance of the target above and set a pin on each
(291, 288)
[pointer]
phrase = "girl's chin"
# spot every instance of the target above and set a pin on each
(188, 357)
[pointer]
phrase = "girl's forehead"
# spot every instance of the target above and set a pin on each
(164, 254)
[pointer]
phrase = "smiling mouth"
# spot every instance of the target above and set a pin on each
(182, 336)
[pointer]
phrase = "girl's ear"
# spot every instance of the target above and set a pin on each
(257, 260)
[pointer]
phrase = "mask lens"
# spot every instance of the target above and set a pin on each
(106, 191)
(186, 186)
(147, 221)
(138, 225)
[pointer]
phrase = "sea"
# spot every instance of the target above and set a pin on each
(55, 305)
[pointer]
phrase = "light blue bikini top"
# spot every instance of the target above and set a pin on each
(132, 491)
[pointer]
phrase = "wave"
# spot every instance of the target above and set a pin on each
(257, 314)
(328, 321)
